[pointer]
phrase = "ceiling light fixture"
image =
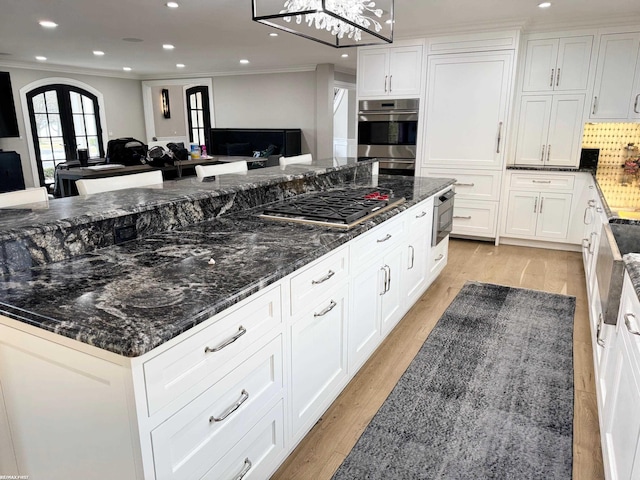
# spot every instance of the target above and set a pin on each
(337, 23)
(345, 55)
(180, 65)
(40, 58)
(48, 24)
(244, 61)
(126, 69)
(98, 53)
(273, 34)
(168, 46)
(544, 4)
(172, 4)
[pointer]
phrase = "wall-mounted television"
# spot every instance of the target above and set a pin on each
(8, 119)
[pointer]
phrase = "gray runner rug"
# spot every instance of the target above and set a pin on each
(488, 396)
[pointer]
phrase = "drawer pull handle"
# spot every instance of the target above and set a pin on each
(635, 105)
(586, 244)
(542, 154)
(244, 395)
(439, 257)
(627, 322)
(541, 203)
(326, 310)
(599, 341)
(552, 75)
(599, 209)
(245, 469)
(592, 242)
(329, 274)
(465, 184)
(413, 252)
(584, 218)
(558, 78)
(595, 106)
(467, 217)
(421, 214)
(541, 181)
(387, 237)
(499, 137)
(226, 343)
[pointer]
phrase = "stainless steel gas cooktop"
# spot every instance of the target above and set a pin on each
(342, 208)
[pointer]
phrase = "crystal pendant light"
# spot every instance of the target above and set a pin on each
(337, 23)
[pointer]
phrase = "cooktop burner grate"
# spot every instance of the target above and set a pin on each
(338, 207)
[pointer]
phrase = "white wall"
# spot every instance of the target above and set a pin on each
(278, 100)
(123, 109)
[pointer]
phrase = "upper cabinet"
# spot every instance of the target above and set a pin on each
(467, 108)
(390, 71)
(616, 93)
(557, 64)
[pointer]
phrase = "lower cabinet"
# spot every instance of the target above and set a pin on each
(536, 214)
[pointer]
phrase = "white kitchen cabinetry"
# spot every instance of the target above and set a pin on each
(549, 130)
(616, 94)
(467, 108)
(619, 419)
(415, 277)
(389, 71)
(557, 64)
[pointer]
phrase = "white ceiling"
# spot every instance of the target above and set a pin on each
(211, 36)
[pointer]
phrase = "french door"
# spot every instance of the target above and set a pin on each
(63, 119)
(198, 115)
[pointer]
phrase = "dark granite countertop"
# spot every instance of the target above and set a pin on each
(131, 298)
(632, 264)
(549, 169)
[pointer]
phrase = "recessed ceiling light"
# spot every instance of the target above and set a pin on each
(180, 65)
(172, 4)
(98, 53)
(48, 24)
(344, 55)
(544, 4)
(126, 69)
(40, 58)
(389, 22)
(273, 34)
(244, 61)
(168, 46)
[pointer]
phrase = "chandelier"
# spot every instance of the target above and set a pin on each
(337, 23)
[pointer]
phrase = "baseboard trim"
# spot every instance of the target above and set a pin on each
(540, 244)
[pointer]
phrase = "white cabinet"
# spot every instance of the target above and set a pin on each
(466, 110)
(620, 422)
(549, 130)
(390, 71)
(616, 94)
(415, 277)
(557, 64)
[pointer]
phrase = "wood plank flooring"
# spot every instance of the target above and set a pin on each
(322, 451)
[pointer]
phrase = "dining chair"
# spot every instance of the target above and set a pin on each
(21, 197)
(88, 186)
(203, 171)
(305, 158)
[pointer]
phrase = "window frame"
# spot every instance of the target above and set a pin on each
(206, 114)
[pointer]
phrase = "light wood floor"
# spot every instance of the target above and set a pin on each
(322, 451)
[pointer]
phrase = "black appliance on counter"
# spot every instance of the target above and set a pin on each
(388, 131)
(589, 158)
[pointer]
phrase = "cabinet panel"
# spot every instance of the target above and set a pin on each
(615, 73)
(471, 184)
(574, 59)
(467, 99)
(438, 258)
(372, 70)
(475, 218)
(542, 182)
(553, 217)
(364, 323)
(540, 64)
(533, 129)
(405, 70)
(565, 130)
(394, 71)
(392, 299)
(522, 213)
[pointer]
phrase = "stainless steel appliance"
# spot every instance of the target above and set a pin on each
(442, 216)
(343, 208)
(388, 131)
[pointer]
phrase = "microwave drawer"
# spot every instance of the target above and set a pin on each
(472, 184)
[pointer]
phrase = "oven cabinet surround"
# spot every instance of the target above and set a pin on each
(233, 394)
(619, 392)
(616, 92)
(393, 72)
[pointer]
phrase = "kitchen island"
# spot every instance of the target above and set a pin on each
(121, 348)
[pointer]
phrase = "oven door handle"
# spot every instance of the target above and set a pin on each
(388, 112)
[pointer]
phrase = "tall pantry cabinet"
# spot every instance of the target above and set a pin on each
(469, 93)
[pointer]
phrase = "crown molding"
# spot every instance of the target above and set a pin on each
(45, 67)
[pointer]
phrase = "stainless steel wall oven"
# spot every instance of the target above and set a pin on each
(388, 131)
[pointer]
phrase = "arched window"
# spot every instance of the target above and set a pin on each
(64, 118)
(198, 115)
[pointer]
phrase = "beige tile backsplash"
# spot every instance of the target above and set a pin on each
(611, 138)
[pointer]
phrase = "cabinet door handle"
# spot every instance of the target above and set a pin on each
(600, 341)
(541, 203)
(326, 310)
(535, 206)
(558, 78)
(548, 153)
(439, 257)
(390, 78)
(595, 105)
(226, 343)
(421, 214)
(329, 274)
(635, 105)
(245, 469)
(388, 278)
(499, 137)
(385, 83)
(384, 288)
(463, 217)
(592, 243)
(598, 209)
(541, 181)
(584, 218)
(387, 237)
(465, 184)
(244, 395)
(542, 154)
(552, 72)
(627, 322)
(413, 252)
(586, 244)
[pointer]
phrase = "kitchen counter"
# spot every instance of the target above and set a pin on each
(632, 264)
(131, 298)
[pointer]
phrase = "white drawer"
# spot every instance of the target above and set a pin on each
(472, 184)
(438, 258)
(191, 366)
(190, 442)
(257, 454)
(542, 181)
(318, 279)
(420, 218)
(378, 240)
(475, 218)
